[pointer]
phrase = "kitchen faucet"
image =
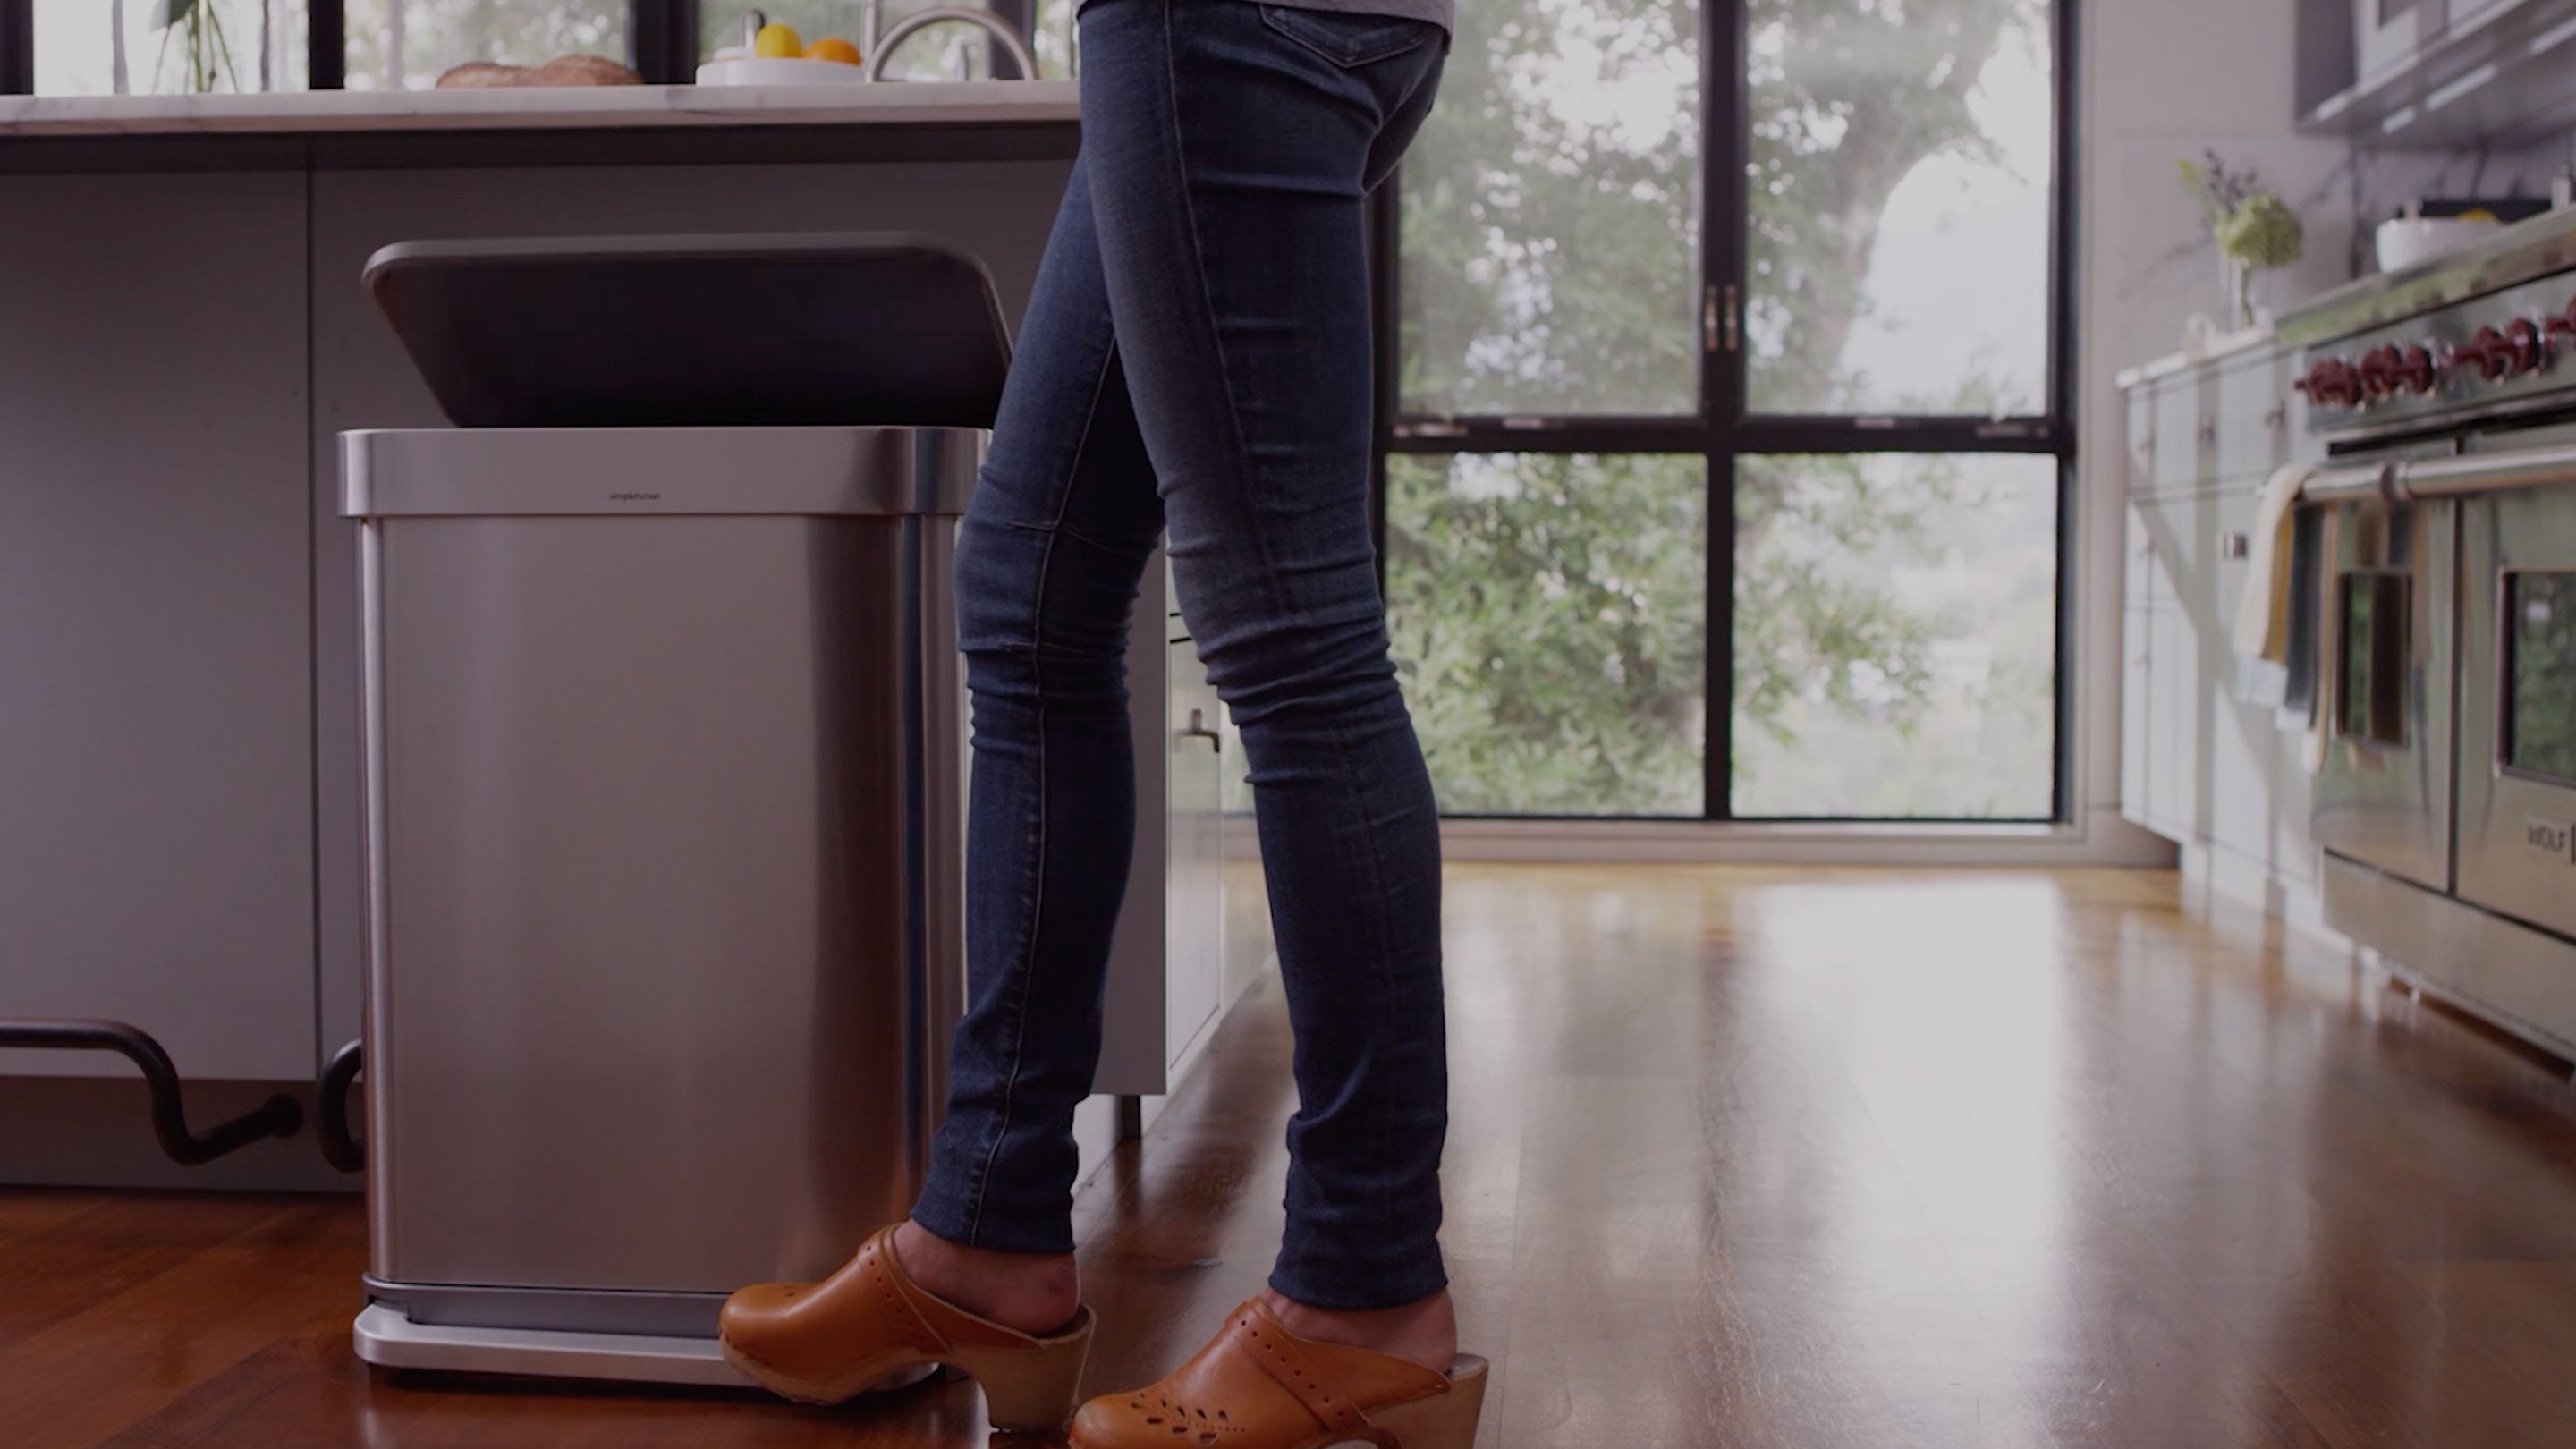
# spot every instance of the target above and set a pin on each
(1001, 30)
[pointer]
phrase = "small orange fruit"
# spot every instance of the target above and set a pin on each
(833, 47)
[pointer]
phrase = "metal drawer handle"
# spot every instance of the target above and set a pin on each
(1198, 730)
(2235, 545)
(279, 1116)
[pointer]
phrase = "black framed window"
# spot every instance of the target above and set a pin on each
(1723, 410)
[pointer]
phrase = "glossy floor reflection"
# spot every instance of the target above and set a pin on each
(1742, 1157)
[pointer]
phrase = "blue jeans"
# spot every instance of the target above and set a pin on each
(1196, 363)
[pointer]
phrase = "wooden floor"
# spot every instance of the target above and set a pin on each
(1763, 1158)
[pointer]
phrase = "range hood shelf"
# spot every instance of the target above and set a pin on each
(2500, 75)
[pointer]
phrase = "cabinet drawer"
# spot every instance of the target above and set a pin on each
(2253, 432)
(2184, 437)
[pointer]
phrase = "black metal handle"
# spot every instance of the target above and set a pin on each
(331, 1111)
(279, 1116)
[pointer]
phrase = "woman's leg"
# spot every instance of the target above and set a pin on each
(1063, 519)
(1230, 148)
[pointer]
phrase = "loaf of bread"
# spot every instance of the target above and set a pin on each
(581, 70)
(563, 70)
(478, 74)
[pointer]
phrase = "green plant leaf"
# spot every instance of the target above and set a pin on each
(166, 13)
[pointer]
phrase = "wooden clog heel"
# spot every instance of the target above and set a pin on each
(822, 1343)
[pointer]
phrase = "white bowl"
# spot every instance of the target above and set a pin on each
(778, 71)
(2408, 240)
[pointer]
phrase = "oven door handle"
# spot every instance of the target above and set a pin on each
(2398, 481)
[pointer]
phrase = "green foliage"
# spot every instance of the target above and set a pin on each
(1551, 252)
(2263, 233)
(1554, 665)
(2543, 625)
(2218, 188)
(196, 34)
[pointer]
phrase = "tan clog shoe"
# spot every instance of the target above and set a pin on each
(821, 1343)
(1258, 1386)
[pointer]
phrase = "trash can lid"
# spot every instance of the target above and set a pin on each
(871, 328)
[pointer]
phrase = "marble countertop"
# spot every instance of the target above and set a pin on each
(2217, 348)
(291, 113)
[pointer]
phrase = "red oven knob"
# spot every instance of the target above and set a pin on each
(2378, 373)
(2331, 383)
(2524, 347)
(2415, 372)
(2487, 354)
(2559, 324)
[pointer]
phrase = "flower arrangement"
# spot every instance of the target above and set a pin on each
(2254, 228)
(205, 57)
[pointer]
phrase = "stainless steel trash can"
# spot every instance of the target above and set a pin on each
(665, 757)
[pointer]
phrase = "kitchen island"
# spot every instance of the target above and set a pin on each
(182, 339)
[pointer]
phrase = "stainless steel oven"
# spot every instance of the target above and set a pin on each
(2440, 538)
(2383, 793)
(2517, 756)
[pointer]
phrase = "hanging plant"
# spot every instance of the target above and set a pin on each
(205, 57)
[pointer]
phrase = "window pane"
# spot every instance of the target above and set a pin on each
(407, 44)
(2540, 673)
(1053, 42)
(1549, 615)
(94, 48)
(1896, 636)
(943, 52)
(1551, 209)
(1898, 175)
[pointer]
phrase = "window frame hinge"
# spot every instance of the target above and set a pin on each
(1721, 317)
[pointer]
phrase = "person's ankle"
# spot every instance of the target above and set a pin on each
(1035, 1293)
(1424, 1331)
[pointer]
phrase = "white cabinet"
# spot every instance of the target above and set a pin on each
(1167, 962)
(2136, 629)
(2197, 764)
(1194, 857)
(2173, 726)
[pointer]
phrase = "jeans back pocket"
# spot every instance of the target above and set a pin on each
(1347, 39)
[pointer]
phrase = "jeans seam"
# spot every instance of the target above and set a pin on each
(1232, 422)
(1027, 966)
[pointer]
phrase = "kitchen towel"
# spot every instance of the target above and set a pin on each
(2263, 614)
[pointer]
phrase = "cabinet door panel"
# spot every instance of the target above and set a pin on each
(2142, 439)
(2244, 744)
(2253, 421)
(2136, 720)
(1194, 930)
(2182, 451)
(2173, 727)
(156, 646)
